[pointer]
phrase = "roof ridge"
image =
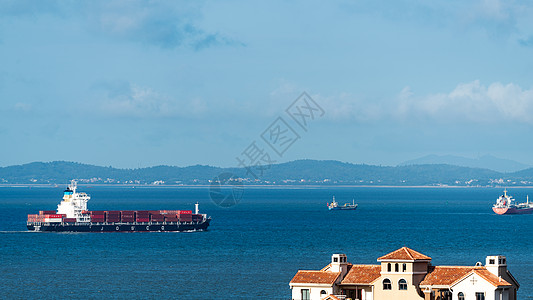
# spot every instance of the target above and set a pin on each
(408, 252)
(482, 274)
(405, 253)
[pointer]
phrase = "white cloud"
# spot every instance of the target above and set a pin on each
(123, 99)
(467, 102)
(475, 102)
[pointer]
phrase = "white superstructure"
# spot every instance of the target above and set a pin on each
(505, 200)
(74, 204)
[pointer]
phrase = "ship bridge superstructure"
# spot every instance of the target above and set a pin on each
(74, 204)
(505, 200)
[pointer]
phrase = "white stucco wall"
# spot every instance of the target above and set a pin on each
(369, 295)
(470, 288)
(314, 292)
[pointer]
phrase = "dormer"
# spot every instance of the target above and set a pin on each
(339, 263)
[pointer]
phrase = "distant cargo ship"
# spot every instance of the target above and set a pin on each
(505, 205)
(72, 216)
(347, 206)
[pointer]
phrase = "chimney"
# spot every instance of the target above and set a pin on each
(496, 264)
(339, 263)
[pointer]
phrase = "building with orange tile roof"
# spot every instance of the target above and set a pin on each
(405, 274)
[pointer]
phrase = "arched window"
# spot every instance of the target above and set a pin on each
(388, 267)
(396, 268)
(387, 284)
(461, 296)
(323, 293)
(402, 285)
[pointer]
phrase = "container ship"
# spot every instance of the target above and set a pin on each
(72, 216)
(506, 205)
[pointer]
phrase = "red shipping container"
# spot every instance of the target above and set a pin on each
(185, 212)
(170, 212)
(185, 218)
(55, 216)
(98, 212)
(174, 216)
(69, 220)
(143, 219)
(47, 212)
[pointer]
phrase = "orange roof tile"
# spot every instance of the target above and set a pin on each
(320, 277)
(405, 253)
(448, 276)
(491, 278)
(331, 297)
(444, 275)
(362, 274)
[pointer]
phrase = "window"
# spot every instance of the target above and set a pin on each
(305, 294)
(491, 261)
(396, 268)
(402, 285)
(404, 268)
(388, 267)
(387, 284)
(461, 296)
(335, 259)
(480, 296)
(323, 293)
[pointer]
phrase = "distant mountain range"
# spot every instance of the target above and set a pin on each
(297, 172)
(487, 161)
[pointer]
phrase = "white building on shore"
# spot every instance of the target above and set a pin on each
(406, 274)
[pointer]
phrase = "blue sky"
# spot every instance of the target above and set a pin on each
(142, 83)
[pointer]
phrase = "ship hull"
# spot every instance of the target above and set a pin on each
(343, 208)
(512, 210)
(121, 227)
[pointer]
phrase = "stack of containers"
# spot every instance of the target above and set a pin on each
(197, 218)
(128, 216)
(157, 217)
(171, 217)
(143, 216)
(113, 216)
(98, 216)
(185, 215)
(47, 212)
(169, 212)
(35, 218)
(55, 218)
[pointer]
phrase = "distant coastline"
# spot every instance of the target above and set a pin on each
(295, 173)
(280, 186)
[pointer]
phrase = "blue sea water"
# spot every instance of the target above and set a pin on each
(253, 249)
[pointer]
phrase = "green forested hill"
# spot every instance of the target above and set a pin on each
(295, 172)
